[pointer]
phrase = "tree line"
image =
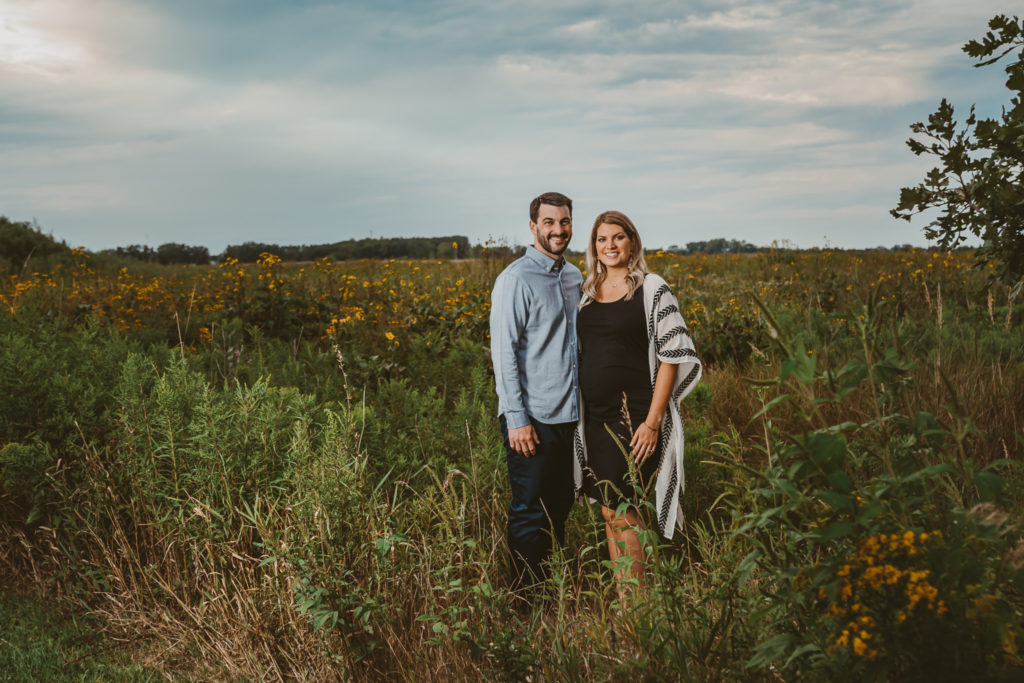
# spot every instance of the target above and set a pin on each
(719, 245)
(448, 247)
(22, 241)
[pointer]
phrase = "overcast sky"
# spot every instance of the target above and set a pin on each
(214, 122)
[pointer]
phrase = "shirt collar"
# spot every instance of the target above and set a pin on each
(544, 261)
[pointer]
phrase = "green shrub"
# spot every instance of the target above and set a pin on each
(861, 537)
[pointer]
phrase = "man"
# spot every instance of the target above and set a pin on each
(533, 347)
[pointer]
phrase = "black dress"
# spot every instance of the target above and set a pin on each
(615, 380)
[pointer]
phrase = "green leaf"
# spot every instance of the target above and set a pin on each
(838, 529)
(931, 470)
(747, 565)
(802, 650)
(787, 368)
(869, 512)
(323, 618)
(827, 451)
(34, 515)
(840, 502)
(771, 650)
(778, 400)
(989, 484)
(805, 366)
(840, 480)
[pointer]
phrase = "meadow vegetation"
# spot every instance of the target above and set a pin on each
(293, 470)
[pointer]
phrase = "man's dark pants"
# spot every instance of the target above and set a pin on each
(542, 494)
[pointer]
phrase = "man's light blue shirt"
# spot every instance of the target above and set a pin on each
(533, 340)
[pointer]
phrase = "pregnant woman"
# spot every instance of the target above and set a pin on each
(637, 361)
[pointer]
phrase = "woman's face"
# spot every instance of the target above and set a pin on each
(612, 245)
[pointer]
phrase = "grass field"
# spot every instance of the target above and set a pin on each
(293, 471)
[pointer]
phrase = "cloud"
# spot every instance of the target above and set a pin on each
(587, 28)
(26, 50)
(755, 17)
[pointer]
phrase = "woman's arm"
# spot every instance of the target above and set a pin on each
(645, 439)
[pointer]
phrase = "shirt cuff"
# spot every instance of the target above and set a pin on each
(514, 419)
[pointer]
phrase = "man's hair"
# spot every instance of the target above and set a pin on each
(552, 198)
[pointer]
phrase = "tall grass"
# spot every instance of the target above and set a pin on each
(294, 472)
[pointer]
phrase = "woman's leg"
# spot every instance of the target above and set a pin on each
(614, 551)
(624, 540)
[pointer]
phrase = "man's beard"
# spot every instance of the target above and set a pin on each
(542, 240)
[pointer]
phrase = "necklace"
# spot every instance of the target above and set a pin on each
(616, 285)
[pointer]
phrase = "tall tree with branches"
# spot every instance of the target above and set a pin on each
(978, 188)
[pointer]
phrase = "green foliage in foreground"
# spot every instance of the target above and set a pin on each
(358, 531)
(881, 545)
(267, 504)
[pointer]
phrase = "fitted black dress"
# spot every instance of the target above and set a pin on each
(615, 380)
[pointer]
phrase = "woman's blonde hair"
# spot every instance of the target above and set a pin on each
(596, 272)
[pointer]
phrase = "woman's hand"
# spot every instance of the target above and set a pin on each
(644, 442)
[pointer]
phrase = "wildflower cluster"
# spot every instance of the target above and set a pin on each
(886, 582)
(270, 272)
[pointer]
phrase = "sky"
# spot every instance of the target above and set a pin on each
(216, 122)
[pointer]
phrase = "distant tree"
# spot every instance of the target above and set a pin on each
(174, 253)
(21, 242)
(168, 254)
(978, 188)
(720, 245)
(139, 252)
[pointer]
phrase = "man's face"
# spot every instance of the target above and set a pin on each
(553, 230)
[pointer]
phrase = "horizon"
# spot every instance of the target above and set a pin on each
(776, 244)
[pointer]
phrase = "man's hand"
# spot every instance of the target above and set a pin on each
(523, 440)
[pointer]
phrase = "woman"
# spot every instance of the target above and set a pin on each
(637, 361)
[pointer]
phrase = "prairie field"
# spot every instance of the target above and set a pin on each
(294, 471)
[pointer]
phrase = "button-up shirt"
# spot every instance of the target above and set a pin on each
(533, 340)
